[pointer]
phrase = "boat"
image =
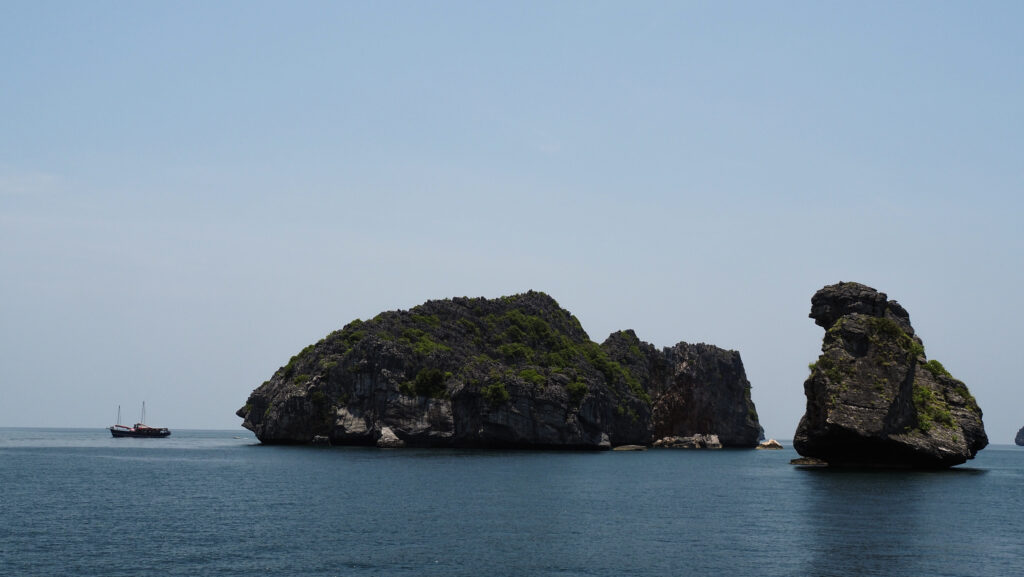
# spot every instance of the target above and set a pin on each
(138, 429)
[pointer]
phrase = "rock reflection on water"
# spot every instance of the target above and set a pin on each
(884, 522)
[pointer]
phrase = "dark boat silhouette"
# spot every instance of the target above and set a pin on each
(138, 429)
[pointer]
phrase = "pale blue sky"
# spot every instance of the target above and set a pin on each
(191, 192)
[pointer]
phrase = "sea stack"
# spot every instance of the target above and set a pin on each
(517, 371)
(696, 390)
(873, 397)
(1020, 437)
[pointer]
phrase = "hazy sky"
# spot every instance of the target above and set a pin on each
(191, 192)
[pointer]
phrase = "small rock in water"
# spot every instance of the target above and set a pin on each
(769, 444)
(809, 462)
(389, 440)
(697, 441)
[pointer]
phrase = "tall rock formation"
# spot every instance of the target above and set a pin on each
(1020, 437)
(517, 371)
(873, 398)
(694, 389)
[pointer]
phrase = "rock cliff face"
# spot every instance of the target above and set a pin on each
(1020, 437)
(873, 398)
(694, 389)
(517, 371)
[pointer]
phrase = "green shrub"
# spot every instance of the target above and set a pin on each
(413, 335)
(482, 359)
(428, 383)
(514, 334)
(407, 388)
(935, 368)
(468, 326)
(429, 320)
(577, 390)
(516, 352)
(832, 370)
(352, 338)
(515, 326)
(930, 409)
(427, 346)
(555, 359)
(296, 360)
(613, 372)
(421, 342)
(887, 330)
(916, 349)
(496, 393)
(533, 377)
(887, 327)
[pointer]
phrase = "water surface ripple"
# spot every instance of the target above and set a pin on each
(76, 502)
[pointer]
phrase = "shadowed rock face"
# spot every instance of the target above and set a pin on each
(695, 389)
(1020, 437)
(873, 398)
(517, 371)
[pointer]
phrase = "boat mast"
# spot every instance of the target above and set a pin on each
(143, 419)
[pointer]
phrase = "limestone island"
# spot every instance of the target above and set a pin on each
(512, 372)
(873, 397)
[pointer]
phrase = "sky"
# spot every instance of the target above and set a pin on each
(192, 192)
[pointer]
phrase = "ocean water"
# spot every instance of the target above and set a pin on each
(78, 502)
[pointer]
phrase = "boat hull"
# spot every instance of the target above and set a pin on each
(143, 433)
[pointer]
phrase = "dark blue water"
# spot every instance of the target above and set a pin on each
(77, 502)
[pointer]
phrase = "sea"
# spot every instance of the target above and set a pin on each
(79, 502)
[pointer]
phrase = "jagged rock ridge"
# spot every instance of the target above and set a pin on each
(694, 389)
(516, 371)
(873, 398)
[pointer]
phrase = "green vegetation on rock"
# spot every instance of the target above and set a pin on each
(577, 390)
(935, 368)
(428, 383)
(885, 330)
(429, 320)
(834, 371)
(531, 376)
(422, 343)
(930, 409)
(496, 394)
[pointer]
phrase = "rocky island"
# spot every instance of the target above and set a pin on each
(1020, 437)
(873, 397)
(517, 371)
